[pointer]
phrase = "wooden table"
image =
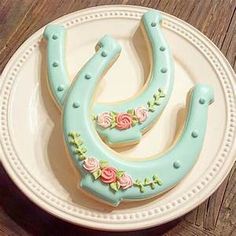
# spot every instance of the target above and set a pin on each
(21, 18)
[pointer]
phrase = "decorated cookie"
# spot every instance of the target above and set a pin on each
(124, 122)
(105, 175)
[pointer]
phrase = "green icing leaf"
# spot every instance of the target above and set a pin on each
(72, 143)
(83, 150)
(131, 111)
(152, 103)
(76, 151)
(103, 164)
(115, 186)
(118, 185)
(73, 135)
(113, 121)
(146, 181)
(157, 103)
(134, 122)
(152, 185)
(113, 114)
(156, 180)
(119, 173)
(97, 174)
(135, 118)
(156, 96)
(94, 117)
(151, 109)
(113, 124)
(137, 182)
(154, 177)
(82, 157)
(161, 93)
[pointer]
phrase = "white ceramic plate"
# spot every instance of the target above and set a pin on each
(32, 149)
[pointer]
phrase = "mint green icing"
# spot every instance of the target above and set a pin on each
(134, 119)
(57, 74)
(161, 78)
(96, 168)
(152, 176)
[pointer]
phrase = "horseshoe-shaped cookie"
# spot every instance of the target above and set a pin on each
(103, 173)
(124, 122)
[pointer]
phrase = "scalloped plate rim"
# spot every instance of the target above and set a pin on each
(98, 225)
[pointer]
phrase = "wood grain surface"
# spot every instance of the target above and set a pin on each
(21, 18)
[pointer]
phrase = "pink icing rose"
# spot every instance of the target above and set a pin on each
(123, 121)
(91, 164)
(125, 181)
(104, 119)
(141, 113)
(108, 175)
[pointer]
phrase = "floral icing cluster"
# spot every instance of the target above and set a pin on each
(122, 120)
(109, 175)
(101, 170)
(126, 120)
(117, 179)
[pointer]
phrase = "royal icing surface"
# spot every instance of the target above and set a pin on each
(57, 74)
(100, 170)
(123, 123)
(103, 173)
(130, 118)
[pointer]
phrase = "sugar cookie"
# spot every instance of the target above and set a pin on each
(124, 122)
(105, 175)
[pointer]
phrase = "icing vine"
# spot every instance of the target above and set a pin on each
(130, 118)
(101, 170)
(155, 101)
(147, 182)
(117, 179)
(78, 147)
